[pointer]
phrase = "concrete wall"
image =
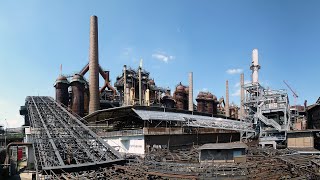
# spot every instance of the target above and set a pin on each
(127, 144)
(300, 140)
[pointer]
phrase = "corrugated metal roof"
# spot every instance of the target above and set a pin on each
(223, 146)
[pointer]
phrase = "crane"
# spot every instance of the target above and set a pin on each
(295, 95)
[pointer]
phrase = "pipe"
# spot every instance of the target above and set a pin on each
(84, 70)
(147, 98)
(125, 94)
(16, 144)
(227, 100)
(94, 66)
(190, 91)
(241, 96)
(107, 84)
(140, 86)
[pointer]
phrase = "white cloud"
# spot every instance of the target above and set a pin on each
(237, 93)
(162, 56)
(234, 71)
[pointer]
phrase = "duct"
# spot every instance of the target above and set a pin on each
(94, 66)
(84, 70)
(107, 84)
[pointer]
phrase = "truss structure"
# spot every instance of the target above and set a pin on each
(195, 120)
(62, 143)
(268, 110)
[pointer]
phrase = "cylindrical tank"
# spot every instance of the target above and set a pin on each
(201, 102)
(86, 100)
(61, 86)
(77, 101)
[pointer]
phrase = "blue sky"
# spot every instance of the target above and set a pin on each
(173, 37)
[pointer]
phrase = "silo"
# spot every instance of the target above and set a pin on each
(77, 101)
(201, 102)
(61, 86)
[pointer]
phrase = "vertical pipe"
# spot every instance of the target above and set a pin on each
(190, 91)
(94, 66)
(147, 97)
(241, 96)
(227, 100)
(125, 98)
(140, 86)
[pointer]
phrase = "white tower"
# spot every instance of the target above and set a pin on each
(255, 66)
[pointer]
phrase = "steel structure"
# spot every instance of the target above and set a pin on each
(62, 143)
(269, 110)
(192, 120)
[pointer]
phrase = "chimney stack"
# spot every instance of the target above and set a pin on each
(125, 94)
(190, 91)
(140, 86)
(94, 66)
(227, 100)
(241, 96)
(255, 66)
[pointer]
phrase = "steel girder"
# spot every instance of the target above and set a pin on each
(62, 143)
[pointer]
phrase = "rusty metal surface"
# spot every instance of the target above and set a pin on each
(94, 102)
(77, 100)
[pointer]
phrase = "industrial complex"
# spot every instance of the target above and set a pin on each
(136, 129)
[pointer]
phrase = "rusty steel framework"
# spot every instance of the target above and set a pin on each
(62, 143)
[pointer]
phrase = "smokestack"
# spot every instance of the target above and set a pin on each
(94, 66)
(227, 100)
(140, 87)
(241, 96)
(125, 98)
(190, 91)
(255, 66)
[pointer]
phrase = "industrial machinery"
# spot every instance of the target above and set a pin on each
(268, 109)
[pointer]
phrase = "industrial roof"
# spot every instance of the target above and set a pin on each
(188, 118)
(236, 145)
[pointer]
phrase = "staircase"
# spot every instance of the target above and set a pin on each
(269, 122)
